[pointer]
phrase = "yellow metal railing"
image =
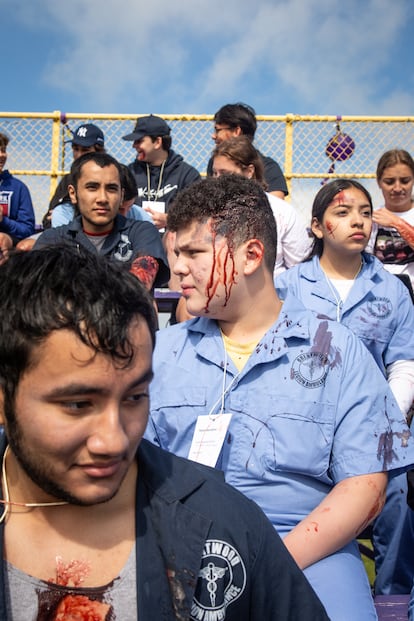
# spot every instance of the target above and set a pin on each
(39, 153)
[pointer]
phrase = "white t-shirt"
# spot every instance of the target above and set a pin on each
(293, 241)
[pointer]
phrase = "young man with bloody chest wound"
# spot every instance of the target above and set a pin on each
(291, 407)
(96, 190)
(96, 522)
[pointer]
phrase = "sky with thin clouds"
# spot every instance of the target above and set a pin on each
(335, 57)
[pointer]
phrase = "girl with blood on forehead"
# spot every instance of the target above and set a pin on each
(343, 282)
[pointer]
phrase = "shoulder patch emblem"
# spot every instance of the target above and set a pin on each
(221, 580)
(380, 308)
(310, 369)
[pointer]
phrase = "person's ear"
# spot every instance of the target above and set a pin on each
(237, 131)
(72, 194)
(316, 228)
(250, 171)
(254, 255)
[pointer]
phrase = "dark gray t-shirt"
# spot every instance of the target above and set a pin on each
(37, 600)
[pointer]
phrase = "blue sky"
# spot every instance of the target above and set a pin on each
(341, 57)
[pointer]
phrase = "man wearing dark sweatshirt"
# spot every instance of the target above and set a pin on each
(159, 172)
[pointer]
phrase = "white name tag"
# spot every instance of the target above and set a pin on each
(208, 438)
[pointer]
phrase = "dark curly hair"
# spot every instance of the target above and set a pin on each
(238, 208)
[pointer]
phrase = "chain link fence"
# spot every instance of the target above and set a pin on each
(308, 148)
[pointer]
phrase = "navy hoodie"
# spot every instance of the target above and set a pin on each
(18, 214)
(176, 175)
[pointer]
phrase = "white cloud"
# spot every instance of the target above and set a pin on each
(327, 55)
(320, 56)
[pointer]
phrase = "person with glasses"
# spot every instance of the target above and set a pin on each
(240, 119)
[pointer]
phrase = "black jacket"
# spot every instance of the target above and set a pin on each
(204, 551)
(128, 239)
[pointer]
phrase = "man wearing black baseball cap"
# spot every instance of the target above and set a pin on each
(149, 126)
(159, 172)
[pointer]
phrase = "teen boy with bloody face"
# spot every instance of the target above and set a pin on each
(289, 405)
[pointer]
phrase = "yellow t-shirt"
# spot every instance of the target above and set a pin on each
(238, 352)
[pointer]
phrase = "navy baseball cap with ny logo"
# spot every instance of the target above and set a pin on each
(88, 135)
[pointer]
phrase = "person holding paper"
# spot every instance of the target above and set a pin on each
(159, 172)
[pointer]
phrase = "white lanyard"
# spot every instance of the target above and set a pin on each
(159, 181)
(211, 429)
(337, 299)
(224, 390)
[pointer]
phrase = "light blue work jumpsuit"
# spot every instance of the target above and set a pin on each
(309, 409)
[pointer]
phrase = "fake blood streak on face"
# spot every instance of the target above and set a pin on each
(232, 277)
(209, 292)
(330, 228)
(339, 199)
(216, 278)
